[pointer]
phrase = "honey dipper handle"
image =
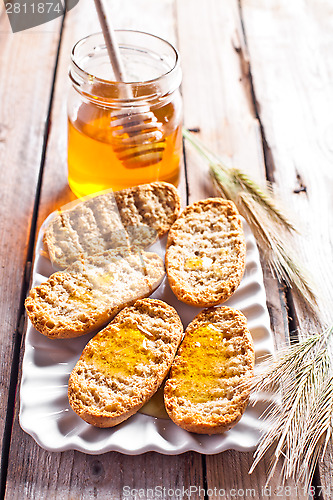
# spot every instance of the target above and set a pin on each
(110, 41)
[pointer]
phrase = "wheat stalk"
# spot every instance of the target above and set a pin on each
(270, 225)
(301, 425)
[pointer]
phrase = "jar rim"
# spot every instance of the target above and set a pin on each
(89, 75)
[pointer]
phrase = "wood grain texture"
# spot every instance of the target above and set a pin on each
(292, 74)
(71, 474)
(217, 99)
(293, 79)
(26, 61)
(41, 475)
(216, 87)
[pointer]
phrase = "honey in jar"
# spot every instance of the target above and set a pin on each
(102, 153)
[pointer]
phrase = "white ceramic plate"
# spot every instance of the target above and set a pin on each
(46, 415)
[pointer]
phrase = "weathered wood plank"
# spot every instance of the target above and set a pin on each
(26, 62)
(292, 71)
(112, 476)
(78, 475)
(218, 100)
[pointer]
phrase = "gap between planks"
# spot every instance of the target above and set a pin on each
(18, 342)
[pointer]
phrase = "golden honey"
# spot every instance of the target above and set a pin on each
(119, 351)
(102, 155)
(193, 263)
(93, 165)
(203, 352)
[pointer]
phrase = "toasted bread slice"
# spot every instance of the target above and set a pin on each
(205, 257)
(132, 217)
(91, 291)
(207, 390)
(124, 364)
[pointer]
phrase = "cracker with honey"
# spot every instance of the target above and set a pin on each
(124, 364)
(208, 388)
(205, 256)
(92, 291)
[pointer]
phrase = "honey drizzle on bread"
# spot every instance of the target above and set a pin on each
(207, 390)
(123, 365)
(205, 256)
(91, 291)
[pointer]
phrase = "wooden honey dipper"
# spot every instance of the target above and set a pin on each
(138, 134)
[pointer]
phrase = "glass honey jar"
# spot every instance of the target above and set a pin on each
(103, 151)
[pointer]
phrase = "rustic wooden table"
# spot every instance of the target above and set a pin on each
(258, 86)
